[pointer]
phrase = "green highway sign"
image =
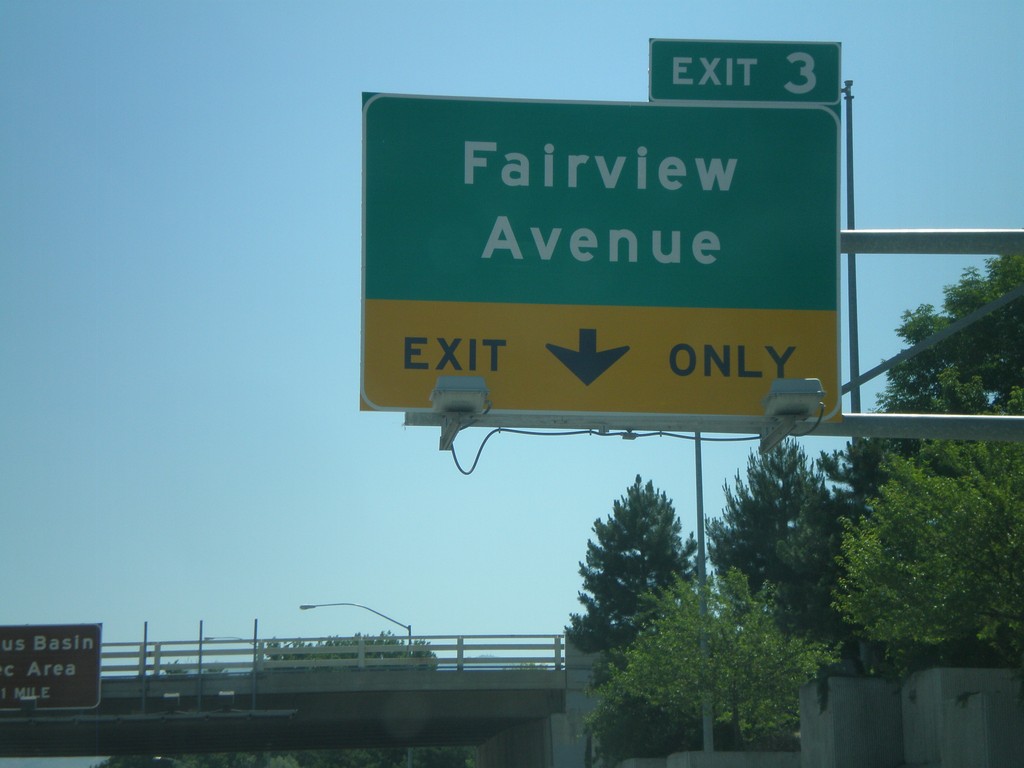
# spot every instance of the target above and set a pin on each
(600, 203)
(598, 257)
(742, 71)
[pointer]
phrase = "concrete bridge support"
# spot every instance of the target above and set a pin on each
(527, 746)
(557, 741)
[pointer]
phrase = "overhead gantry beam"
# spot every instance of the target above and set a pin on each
(932, 241)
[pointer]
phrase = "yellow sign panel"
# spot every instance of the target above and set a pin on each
(596, 359)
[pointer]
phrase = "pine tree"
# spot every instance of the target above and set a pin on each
(806, 602)
(637, 551)
(762, 512)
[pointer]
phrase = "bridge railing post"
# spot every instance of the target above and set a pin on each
(259, 656)
(156, 659)
(362, 652)
(460, 652)
(558, 653)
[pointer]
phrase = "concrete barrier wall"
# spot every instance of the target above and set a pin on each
(985, 730)
(963, 718)
(940, 718)
(859, 727)
(733, 760)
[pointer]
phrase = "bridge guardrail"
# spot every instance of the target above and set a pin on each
(237, 656)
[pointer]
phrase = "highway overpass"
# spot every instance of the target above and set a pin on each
(520, 697)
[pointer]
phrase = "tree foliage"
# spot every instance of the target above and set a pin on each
(762, 512)
(380, 647)
(638, 550)
(751, 672)
(929, 567)
(781, 527)
(918, 537)
(852, 478)
(976, 370)
(626, 723)
(937, 571)
(423, 757)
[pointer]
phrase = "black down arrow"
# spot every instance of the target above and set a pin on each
(587, 363)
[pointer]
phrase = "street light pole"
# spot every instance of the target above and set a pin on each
(707, 717)
(407, 627)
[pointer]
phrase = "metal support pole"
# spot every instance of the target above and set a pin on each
(142, 662)
(702, 577)
(701, 562)
(255, 646)
(199, 671)
(851, 262)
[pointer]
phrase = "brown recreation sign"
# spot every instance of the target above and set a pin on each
(52, 666)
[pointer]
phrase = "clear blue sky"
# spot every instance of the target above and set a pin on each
(180, 437)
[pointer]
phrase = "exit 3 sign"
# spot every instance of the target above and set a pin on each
(748, 71)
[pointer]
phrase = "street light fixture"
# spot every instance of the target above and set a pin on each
(406, 627)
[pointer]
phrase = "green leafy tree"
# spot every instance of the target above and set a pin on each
(629, 723)
(751, 672)
(976, 370)
(380, 647)
(937, 572)
(638, 550)
(774, 537)
(979, 368)
(424, 757)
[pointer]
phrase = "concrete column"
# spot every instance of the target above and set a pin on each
(524, 746)
(853, 723)
(961, 718)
